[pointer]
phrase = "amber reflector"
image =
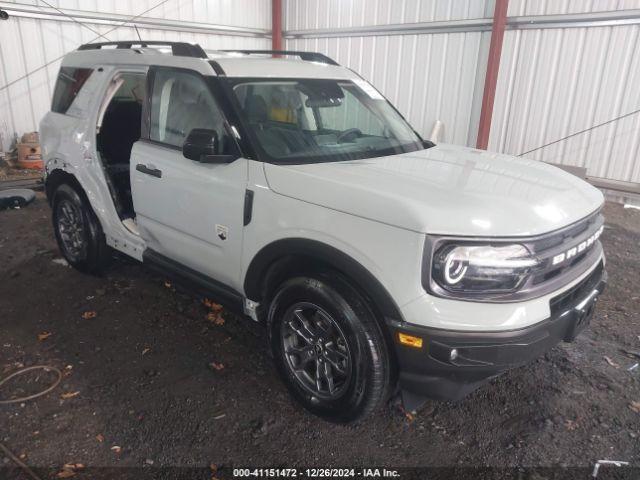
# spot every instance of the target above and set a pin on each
(410, 340)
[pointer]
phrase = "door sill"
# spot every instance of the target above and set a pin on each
(194, 281)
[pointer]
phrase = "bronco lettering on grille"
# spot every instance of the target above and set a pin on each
(581, 247)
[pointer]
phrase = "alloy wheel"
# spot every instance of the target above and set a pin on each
(316, 351)
(71, 230)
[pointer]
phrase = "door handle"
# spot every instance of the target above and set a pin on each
(154, 172)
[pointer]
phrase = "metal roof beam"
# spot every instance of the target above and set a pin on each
(576, 20)
(572, 20)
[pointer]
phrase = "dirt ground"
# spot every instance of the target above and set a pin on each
(144, 381)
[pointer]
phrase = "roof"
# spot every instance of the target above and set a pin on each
(244, 63)
(134, 57)
(239, 65)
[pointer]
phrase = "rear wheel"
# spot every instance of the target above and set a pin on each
(78, 231)
(329, 348)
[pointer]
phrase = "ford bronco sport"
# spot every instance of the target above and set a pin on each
(290, 190)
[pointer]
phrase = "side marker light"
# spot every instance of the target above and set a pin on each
(409, 340)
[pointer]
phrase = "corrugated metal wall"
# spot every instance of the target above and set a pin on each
(428, 77)
(26, 44)
(316, 14)
(555, 7)
(553, 81)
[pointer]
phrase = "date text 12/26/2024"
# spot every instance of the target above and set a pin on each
(315, 473)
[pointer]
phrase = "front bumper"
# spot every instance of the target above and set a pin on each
(432, 371)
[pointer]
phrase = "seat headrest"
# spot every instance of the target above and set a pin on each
(256, 109)
(286, 98)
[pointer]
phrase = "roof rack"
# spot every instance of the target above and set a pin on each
(179, 49)
(307, 56)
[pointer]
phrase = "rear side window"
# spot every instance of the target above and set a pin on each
(69, 84)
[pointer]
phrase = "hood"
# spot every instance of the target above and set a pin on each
(446, 189)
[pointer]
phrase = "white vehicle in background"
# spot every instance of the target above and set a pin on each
(291, 191)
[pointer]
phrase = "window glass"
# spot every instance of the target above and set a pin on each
(352, 112)
(132, 87)
(180, 102)
(285, 102)
(69, 83)
(322, 120)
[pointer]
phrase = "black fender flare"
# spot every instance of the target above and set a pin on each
(365, 281)
(57, 177)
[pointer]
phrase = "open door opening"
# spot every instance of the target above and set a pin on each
(118, 128)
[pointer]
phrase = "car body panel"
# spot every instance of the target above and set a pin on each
(377, 211)
(68, 143)
(398, 269)
(266, 67)
(181, 214)
(448, 190)
(138, 57)
(233, 65)
(277, 217)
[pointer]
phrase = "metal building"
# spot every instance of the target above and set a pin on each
(37, 35)
(565, 65)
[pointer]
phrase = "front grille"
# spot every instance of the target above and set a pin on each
(572, 231)
(550, 272)
(567, 299)
(549, 246)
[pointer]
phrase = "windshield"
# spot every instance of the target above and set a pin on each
(309, 120)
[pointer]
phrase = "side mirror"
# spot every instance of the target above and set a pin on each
(202, 145)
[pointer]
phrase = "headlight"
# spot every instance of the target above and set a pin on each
(482, 268)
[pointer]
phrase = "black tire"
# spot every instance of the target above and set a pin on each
(78, 231)
(349, 328)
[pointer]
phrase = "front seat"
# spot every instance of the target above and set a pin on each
(258, 116)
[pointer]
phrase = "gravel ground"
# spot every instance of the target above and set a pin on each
(139, 388)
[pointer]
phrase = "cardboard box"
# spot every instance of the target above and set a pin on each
(31, 137)
(29, 156)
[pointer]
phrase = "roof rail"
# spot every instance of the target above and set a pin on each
(307, 56)
(179, 49)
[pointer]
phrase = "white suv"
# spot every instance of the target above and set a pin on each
(291, 191)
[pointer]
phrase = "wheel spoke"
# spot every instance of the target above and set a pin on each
(324, 323)
(338, 368)
(304, 329)
(328, 375)
(302, 366)
(300, 351)
(301, 333)
(303, 354)
(335, 354)
(318, 375)
(68, 213)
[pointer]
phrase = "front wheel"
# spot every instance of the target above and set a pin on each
(329, 348)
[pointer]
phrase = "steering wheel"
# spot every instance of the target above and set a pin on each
(342, 136)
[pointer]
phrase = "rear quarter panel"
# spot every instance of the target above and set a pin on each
(68, 143)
